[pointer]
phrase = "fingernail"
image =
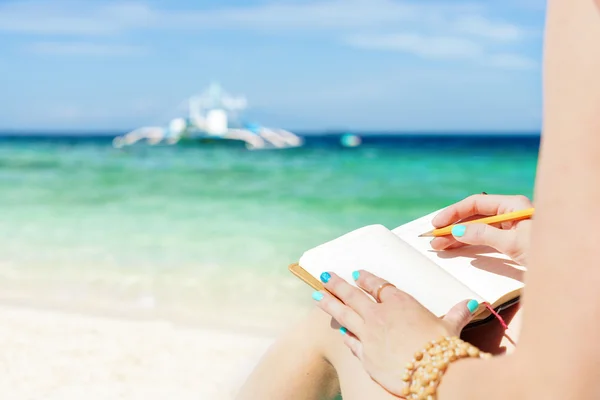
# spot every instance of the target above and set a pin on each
(472, 305)
(343, 330)
(318, 296)
(355, 275)
(325, 277)
(459, 230)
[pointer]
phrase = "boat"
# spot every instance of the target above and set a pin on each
(212, 116)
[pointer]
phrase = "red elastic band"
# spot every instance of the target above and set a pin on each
(495, 314)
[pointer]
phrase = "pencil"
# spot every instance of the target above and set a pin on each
(512, 216)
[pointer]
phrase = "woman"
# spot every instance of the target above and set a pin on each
(559, 352)
(311, 361)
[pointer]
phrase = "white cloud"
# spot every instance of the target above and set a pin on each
(431, 29)
(71, 17)
(420, 45)
(442, 47)
(479, 26)
(511, 61)
(85, 49)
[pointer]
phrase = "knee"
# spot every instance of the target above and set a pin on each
(318, 330)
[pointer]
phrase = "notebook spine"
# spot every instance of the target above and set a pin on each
(498, 317)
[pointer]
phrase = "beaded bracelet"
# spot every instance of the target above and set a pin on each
(423, 374)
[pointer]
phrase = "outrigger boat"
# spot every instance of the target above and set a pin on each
(212, 116)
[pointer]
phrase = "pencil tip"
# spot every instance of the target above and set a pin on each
(426, 234)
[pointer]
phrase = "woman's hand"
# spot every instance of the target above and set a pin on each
(510, 238)
(384, 336)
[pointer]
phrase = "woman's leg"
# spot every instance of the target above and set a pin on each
(295, 367)
(312, 363)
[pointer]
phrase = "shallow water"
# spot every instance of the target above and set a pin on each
(205, 233)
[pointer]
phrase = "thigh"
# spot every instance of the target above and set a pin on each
(295, 368)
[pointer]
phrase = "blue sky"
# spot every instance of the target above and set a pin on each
(311, 64)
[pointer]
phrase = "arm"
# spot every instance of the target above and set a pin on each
(564, 259)
(558, 351)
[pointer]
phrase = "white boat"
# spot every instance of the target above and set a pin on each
(213, 116)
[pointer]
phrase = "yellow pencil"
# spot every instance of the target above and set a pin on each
(512, 216)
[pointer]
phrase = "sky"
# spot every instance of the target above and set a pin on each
(306, 64)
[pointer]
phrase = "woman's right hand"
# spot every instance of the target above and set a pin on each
(510, 238)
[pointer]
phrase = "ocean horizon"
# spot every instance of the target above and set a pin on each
(310, 133)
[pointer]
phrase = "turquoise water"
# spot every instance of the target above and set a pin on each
(205, 233)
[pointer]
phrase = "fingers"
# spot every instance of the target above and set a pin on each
(482, 234)
(478, 204)
(372, 283)
(445, 243)
(343, 314)
(353, 344)
(460, 315)
(350, 295)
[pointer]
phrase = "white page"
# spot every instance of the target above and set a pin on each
(377, 250)
(487, 272)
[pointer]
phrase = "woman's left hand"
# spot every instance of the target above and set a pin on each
(385, 335)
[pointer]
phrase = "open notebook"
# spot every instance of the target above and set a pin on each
(438, 280)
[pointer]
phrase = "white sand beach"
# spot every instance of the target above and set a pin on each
(52, 355)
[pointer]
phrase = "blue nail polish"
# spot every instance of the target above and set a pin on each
(459, 230)
(325, 277)
(318, 296)
(472, 305)
(343, 330)
(355, 275)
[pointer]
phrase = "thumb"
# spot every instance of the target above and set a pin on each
(460, 315)
(487, 235)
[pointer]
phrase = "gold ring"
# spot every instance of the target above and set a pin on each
(381, 287)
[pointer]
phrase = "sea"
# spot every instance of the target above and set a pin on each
(203, 233)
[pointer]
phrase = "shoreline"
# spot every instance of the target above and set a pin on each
(201, 322)
(56, 354)
(182, 306)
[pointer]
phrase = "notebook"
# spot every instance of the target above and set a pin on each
(437, 279)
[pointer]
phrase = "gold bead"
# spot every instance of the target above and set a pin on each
(406, 377)
(418, 356)
(410, 366)
(405, 391)
(473, 351)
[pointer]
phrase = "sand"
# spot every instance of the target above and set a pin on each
(53, 355)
